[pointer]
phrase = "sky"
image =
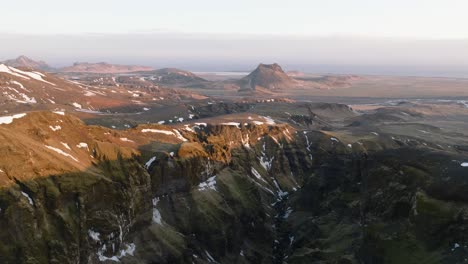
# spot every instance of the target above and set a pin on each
(236, 34)
(395, 18)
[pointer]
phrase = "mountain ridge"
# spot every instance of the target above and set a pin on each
(28, 63)
(103, 67)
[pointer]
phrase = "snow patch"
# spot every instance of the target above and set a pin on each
(129, 250)
(20, 85)
(65, 145)
(265, 162)
(308, 145)
(210, 258)
(156, 214)
(231, 124)
(287, 213)
(82, 145)
(210, 183)
(179, 136)
(61, 152)
(34, 75)
(94, 235)
(55, 128)
(269, 120)
(9, 119)
(77, 105)
(189, 129)
(149, 130)
(257, 174)
(149, 162)
(29, 198)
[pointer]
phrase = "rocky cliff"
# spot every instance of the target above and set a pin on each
(254, 192)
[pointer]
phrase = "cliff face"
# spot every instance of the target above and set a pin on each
(233, 193)
(198, 199)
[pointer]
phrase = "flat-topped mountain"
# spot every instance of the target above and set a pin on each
(172, 76)
(103, 67)
(267, 76)
(25, 62)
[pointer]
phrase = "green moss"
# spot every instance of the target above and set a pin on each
(171, 240)
(408, 250)
(433, 208)
(413, 176)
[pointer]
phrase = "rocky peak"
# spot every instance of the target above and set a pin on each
(26, 62)
(274, 67)
(267, 76)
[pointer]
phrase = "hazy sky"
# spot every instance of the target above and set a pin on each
(395, 18)
(223, 35)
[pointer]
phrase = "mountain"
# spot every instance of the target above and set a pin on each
(27, 63)
(23, 89)
(26, 90)
(173, 76)
(103, 67)
(115, 168)
(295, 74)
(237, 188)
(267, 76)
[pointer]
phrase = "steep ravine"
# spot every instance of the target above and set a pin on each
(243, 194)
(242, 190)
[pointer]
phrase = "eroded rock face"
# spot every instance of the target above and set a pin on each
(238, 193)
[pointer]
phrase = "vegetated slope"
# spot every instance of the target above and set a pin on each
(248, 190)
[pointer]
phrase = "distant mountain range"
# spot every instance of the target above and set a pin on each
(103, 67)
(78, 67)
(266, 79)
(31, 89)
